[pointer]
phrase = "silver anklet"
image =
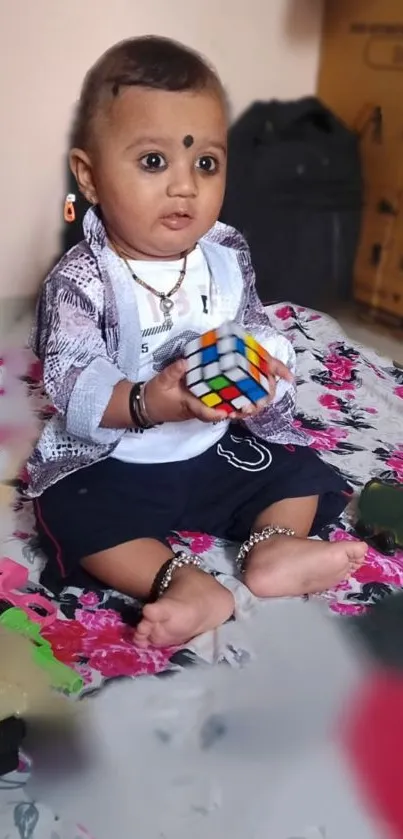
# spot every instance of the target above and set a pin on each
(164, 576)
(256, 538)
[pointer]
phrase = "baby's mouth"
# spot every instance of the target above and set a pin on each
(177, 221)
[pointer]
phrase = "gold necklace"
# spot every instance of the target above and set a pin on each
(166, 304)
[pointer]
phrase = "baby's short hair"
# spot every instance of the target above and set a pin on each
(151, 62)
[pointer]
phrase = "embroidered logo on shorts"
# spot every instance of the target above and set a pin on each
(260, 456)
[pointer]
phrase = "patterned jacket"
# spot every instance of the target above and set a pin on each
(87, 336)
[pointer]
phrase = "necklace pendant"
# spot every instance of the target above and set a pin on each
(166, 305)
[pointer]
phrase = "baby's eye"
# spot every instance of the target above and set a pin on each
(153, 161)
(207, 164)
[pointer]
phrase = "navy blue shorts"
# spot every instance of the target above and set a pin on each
(220, 492)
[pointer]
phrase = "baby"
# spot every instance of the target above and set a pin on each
(130, 455)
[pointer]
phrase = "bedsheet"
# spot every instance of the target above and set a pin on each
(350, 400)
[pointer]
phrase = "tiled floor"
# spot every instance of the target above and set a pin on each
(385, 340)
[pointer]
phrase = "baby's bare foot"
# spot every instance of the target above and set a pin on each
(285, 566)
(194, 603)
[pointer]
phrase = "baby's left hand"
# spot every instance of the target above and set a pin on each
(278, 370)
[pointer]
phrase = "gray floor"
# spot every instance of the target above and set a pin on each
(385, 340)
(148, 770)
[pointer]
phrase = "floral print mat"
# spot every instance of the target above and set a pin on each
(350, 401)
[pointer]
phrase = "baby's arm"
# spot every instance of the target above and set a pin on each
(273, 420)
(79, 377)
(279, 347)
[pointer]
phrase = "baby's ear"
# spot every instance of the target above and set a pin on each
(81, 167)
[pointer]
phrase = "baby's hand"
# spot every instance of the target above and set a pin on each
(278, 370)
(167, 398)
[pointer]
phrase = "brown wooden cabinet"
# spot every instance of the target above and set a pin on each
(361, 79)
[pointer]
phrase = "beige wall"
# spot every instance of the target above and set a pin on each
(262, 48)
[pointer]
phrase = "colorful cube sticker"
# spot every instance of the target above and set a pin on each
(227, 368)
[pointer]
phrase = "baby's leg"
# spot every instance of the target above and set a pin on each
(287, 566)
(194, 602)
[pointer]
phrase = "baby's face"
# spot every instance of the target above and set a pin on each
(159, 168)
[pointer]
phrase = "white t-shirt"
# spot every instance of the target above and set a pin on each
(162, 342)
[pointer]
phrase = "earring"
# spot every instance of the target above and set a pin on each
(69, 211)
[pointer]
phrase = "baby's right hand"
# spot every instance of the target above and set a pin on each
(167, 398)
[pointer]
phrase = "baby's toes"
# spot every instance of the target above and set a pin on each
(141, 635)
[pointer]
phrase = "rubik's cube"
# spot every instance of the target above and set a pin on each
(227, 369)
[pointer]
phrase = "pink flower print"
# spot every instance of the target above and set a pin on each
(339, 535)
(395, 462)
(85, 672)
(125, 659)
(311, 316)
(340, 367)
(371, 410)
(399, 391)
(106, 642)
(22, 535)
(332, 403)
(199, 543)
(24, 477)
(326, 440)
(284, 313)
(343, 608)
(343, 585)
(379, 569)
(89, 599)
(376, 370)
(99, 619)
(67, 639)
(376, 568)
(35, 371)
(24, 764)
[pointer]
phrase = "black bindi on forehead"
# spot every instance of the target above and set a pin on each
(188, 141)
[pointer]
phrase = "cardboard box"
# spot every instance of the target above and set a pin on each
(361, 79)
(378, 276)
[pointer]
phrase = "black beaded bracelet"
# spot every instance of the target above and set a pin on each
(136, 401)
